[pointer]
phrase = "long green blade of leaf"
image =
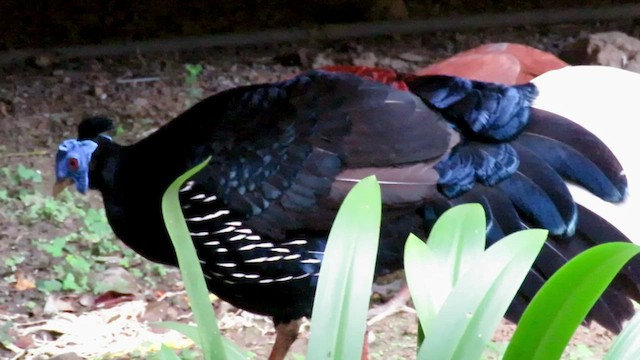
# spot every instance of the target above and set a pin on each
(431, 270)
(428, 289)
(192, 275)
(564, 301)
(344, 287)
(626, 345)
(458, 238)
(478, 302)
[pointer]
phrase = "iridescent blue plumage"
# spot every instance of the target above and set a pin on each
(482, 110)
(472, 161)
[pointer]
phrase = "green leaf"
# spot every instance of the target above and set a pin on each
(5, 335)
(458, 238)
(187, 330)
(4, 195)
(428, 289)
(231, 349)
(478, 302)
(78, 263)
(25, 173)
(627, 344)
(210, 338)
(96, 222)
(56, 247)
(69, 282)
(564, 301)
(432, 269)
(344, 287)
(49, 285)
(167, 354)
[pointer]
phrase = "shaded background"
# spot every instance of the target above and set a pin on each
(50, 23)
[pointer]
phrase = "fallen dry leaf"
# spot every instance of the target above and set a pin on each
(24, 282)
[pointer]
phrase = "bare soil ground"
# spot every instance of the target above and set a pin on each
(41, 104)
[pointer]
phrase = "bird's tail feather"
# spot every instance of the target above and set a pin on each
(612, 309)
(551, 151)
(575, 153)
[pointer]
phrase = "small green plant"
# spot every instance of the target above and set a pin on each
(354, 242)
(118, 131)
(20, 178)
(49, 286)
(56, 246)
(26, 174)
(72, 274)
(191, 79)
(82, 243)
(6, 339)
(4, 195)
(458, 306)
(12, 261)
(21, 175)
(193, 71)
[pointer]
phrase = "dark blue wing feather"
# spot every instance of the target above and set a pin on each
(481, 110)
(474, 161)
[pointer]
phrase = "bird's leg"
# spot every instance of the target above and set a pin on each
(365, 346)
(286, 334)
(397, 303)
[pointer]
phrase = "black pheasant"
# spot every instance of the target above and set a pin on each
(285, 154)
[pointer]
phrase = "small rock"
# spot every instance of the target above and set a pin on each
(140, 104)
(172, 314)
(87, 300)
(395, 64)
(67, 356)
(368, 59)
(6, 107)
(24, 342)
(297, 58)
(613, 48)
(42, 61)
(56, 304)
(155, 311)
(97, 91)
(116, 279)
(412, 57)
(322, 59)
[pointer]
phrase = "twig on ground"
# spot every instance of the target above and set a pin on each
(138, 80)
(27, 153)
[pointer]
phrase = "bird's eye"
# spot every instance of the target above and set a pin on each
(73, 164)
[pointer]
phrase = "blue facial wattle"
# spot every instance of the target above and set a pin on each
(81, 151)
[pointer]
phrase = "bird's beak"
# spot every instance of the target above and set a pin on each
(61, 185)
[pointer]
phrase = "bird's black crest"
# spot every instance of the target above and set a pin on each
(91, 127)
